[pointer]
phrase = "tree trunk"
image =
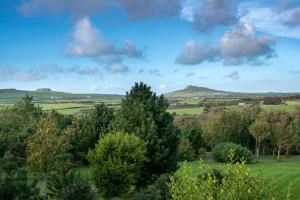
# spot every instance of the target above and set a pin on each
(263, 150)
(257, 151)
(45, 186)
(278, 154)
(287, 151)
(274, 149)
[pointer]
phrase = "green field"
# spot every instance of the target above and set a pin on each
(284, 173)
(186, 111)
(290, 106)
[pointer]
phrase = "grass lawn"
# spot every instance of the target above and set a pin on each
(288, 107)
(284, 173)
(186, 111)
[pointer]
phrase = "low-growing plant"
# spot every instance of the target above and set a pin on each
(235, 182)
(230, 152)
(159, 190)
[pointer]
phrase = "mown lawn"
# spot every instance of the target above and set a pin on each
(284, 173)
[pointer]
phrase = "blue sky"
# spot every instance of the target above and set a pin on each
(100, 46)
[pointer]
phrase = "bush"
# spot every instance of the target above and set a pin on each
(69, 186)
(159, 190)
(233, 183)
(15, 182)
(185, 150)
(230, 152)
(116, 163)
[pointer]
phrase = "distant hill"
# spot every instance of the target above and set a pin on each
(43, 90)
(47, 95)
(201, 92)
(195, 91)
(10, 90)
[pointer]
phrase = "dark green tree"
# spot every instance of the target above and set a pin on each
(17, 123)
(193, 131)
(88, 129)
(14, 181)
(145, 114)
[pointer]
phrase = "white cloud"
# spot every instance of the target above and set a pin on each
(117, 68)
(87, 40)
(271, 21)
(239, 46)
(135, 9)
(195, 53)
(242, 45)
(162, 87)
(6, 73)
(234, 75)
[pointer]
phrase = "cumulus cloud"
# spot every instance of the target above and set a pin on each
(242, 45)
(214, 13)
(294, 18)
(295, 71)
(155, 72)
(273, 20)
(143, 9)
(77, 8)
(129, 49)
(135, 9)
(194, 53)
(39, 73)
(117, 68)
(7, 73)
(86, 70)
(88, 41)
(162, 87)
(239, 46)
(234, 75)
(190, 74)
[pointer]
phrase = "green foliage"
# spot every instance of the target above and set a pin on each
(17, 123)
(116, 163)
(69, 186)
(159, 190)
(44, 150)
(229, 126)
(88, 129)
(193, 131)
(185, 150)
(14, 181)
(234, 183)
(145, 114)
(230, 152)
(260, 130)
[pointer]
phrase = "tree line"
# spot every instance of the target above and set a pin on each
(129, 152)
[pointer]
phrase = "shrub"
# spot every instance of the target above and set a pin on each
(230, 152)
(69, 186)
(185, 150)
(193, 131)
(233, 183)
(159, 190)
(116, 163)
(15, 183)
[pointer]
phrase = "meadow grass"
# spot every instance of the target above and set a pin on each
(186, 111)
